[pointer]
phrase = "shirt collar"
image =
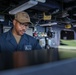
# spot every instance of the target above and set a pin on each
(10, 35)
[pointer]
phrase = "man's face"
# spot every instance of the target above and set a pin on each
(20, 28)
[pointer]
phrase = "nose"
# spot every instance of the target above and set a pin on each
(24, 27)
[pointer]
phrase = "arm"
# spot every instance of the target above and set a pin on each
(37, 46)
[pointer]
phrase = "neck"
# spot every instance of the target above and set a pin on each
(15, 33)
(16, 36)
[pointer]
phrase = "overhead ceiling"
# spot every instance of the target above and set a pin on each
(58, 8)
(6, 5)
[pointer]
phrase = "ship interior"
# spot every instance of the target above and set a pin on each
(54, 27)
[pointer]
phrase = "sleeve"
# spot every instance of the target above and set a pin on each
(37, 46)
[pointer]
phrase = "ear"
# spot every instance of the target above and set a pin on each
(14, 22)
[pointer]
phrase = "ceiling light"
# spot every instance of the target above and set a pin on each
(49, 24)
(24, 6)
(43, 1)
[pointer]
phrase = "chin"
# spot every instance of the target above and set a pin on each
(21, 34)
